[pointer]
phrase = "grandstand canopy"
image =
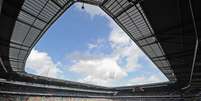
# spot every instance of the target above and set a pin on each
(167, 31)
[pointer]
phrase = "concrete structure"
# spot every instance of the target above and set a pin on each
(168, 31)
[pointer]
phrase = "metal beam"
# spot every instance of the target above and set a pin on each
(54, 87)
(104, 1)
(92, 2)
(175, 54)
(154, 42)
(143, 38)
(56, 3)
(9, 46)
(196, 40)
(132, 3)
(50, 94)
(2, 65)
(29, 24)
(22, 10)
(123, 10)
(5, 43)
(160, 60)
(197, 74)
(21, 61)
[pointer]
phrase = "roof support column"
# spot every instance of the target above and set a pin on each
(196, 40)
(196, 45)
(1, 3)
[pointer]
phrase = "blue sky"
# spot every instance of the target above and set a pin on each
(86, 45)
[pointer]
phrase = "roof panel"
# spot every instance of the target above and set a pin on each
(13, 52)
(14, 63)
(31, 37)
(40, 24)
(22, 54)
(26, 17)
(20, 31)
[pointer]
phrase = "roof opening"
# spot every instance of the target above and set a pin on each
(86, 45)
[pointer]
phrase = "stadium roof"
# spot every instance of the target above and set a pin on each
(167, 31)
(35, 17)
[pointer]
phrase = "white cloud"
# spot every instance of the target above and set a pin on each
(96, 44)
(105, 68)
(146, 80)
(42, 64)
(117, 35)
(96, 81)
(121, 43)
(91, 46)
(123, 46)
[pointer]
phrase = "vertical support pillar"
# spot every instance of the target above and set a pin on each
(1, 4)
